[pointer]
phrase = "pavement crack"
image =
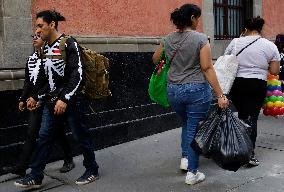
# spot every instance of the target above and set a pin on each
(9, 179)
(272, 134)
(250, 181)
(62, 181)
(57, 179)
(49, 188)
(269, 148)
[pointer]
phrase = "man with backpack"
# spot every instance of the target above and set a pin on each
(61, 81)
(31, 72)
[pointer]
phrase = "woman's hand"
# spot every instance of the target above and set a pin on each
(31, 104)
(223, 102)
(22, 106)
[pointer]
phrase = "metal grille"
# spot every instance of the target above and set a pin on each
(229, 17)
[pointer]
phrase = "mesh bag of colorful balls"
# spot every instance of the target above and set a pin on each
(273, 104)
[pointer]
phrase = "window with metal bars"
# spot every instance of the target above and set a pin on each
(229, 16)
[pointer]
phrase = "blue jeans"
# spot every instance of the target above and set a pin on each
(75, 119)
(35, 118)
(191, 102)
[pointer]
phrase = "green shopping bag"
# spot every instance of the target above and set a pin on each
(158, 82)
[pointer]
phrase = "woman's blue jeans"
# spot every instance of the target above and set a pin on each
(191, 102)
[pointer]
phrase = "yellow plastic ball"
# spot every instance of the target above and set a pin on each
(269, 104)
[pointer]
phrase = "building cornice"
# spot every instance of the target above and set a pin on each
(99, 44)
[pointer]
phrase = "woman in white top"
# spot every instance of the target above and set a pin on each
(249, 88)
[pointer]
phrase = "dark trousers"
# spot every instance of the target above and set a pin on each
(247, 95)
(32, 134)
(281, 77)
(75, 119)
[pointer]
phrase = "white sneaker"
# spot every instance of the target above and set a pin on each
(192, 178)
(183, 164)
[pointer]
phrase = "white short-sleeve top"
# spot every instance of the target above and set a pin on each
(254, 60)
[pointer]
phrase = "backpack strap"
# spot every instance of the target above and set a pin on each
(62, 48)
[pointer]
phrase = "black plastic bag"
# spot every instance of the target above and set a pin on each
(207, 132)
(223, 137)
(233, 148)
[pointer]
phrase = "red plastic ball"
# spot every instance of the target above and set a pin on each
(282, 110)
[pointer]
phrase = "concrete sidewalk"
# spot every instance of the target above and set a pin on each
(151, 164)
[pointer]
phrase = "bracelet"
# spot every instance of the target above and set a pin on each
(221, 96)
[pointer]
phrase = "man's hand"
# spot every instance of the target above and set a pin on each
(31, 104)
(22, 106)
(60, 107)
